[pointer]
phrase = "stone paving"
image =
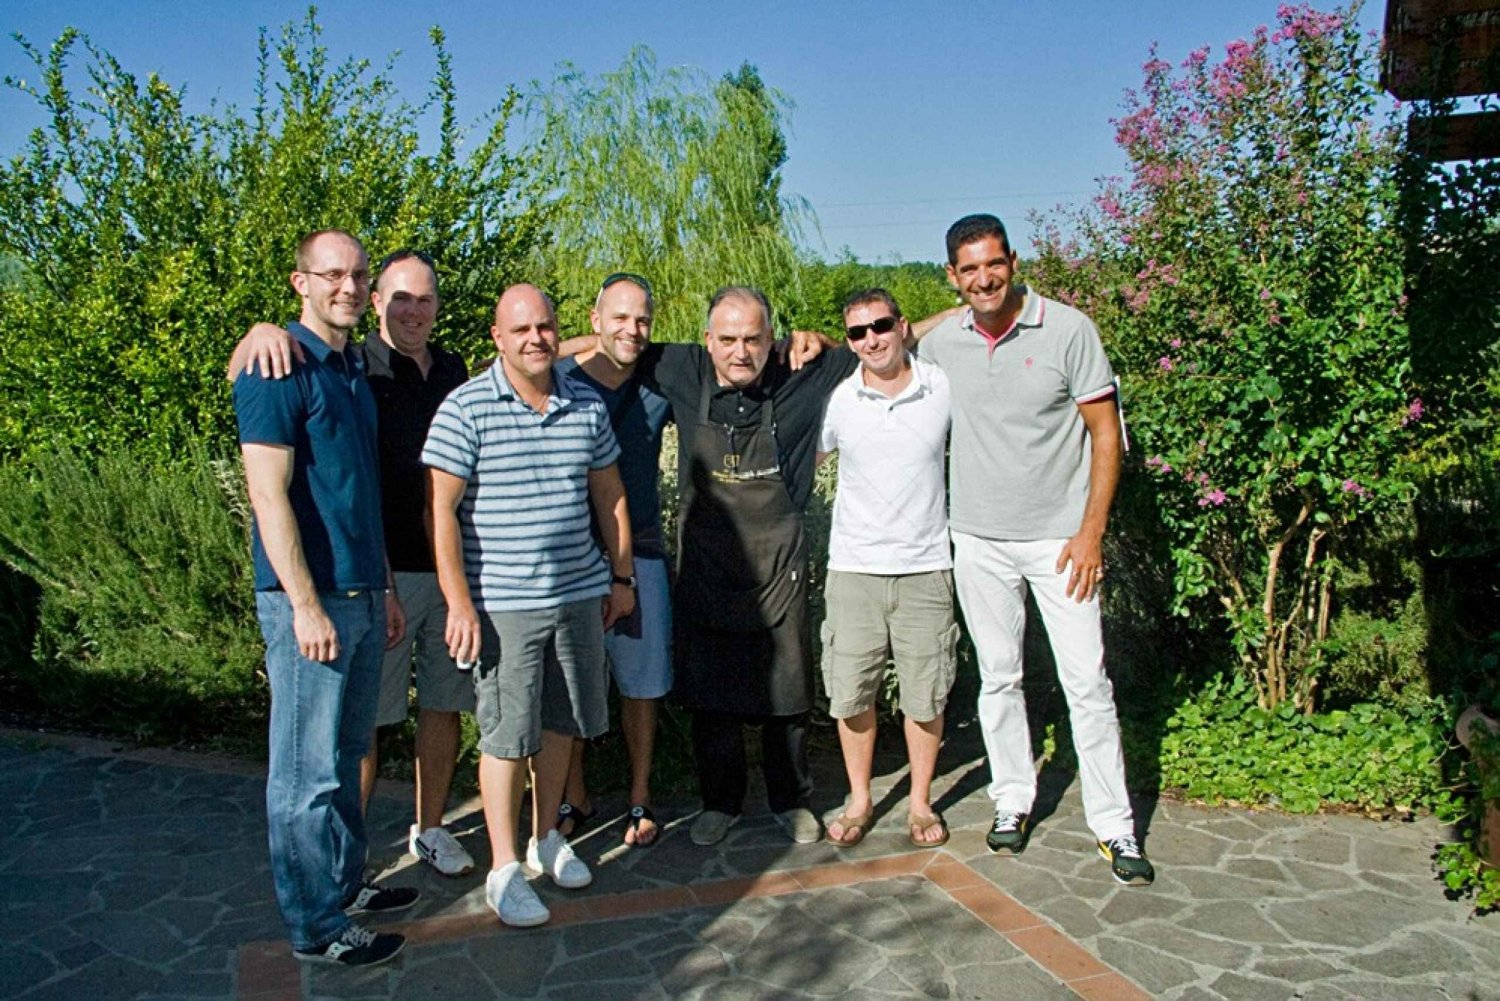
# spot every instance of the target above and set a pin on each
(143, 874)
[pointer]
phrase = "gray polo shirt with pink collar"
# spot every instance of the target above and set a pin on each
(1019, 466)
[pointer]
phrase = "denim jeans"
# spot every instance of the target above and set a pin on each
(322, 716)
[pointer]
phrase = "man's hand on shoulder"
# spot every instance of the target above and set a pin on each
(923, 327)
(803, 346)
(266, 347)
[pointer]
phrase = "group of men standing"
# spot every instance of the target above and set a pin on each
(522, 527)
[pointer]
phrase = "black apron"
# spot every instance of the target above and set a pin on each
(742, 640)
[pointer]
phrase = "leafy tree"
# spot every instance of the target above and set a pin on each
(1249, 276)
(150, 238)
(669, 174)
(920, 288)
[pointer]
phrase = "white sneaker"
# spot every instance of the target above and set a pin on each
(513, 899)
(441, 850)
(554, 856)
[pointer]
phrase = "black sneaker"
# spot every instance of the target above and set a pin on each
(372, 899)
(355, 947)
(1127, 863)
(1009, 833)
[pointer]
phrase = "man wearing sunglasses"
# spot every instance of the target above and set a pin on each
(639, 646)
(889, 591)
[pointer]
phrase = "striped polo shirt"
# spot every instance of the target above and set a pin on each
(525, 511)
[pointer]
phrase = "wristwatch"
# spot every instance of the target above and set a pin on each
(627, 580)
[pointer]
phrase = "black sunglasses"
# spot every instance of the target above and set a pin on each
(625, 276)
(884, 325)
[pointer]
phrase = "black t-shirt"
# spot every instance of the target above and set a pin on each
(406, 404)
(680, 371)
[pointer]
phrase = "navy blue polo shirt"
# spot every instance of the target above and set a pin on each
(638, 416)
(325, 413)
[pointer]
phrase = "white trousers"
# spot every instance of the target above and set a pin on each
(991, 579)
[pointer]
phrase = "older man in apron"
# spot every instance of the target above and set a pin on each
(742, 642)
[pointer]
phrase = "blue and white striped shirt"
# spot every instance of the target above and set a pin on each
(525, 512)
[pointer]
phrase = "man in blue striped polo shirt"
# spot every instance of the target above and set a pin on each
(516, 457)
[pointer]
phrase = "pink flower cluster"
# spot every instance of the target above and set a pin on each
(1164, 274)
(1356, 488)
(1159, 464)
(1110, 206)
(1301, 21)
(1139, 127)
(1161, 175)
(1155, 66)
(1414, 412)
(1228, 83)
(1214, 498)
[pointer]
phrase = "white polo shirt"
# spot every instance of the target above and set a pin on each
(890, 512)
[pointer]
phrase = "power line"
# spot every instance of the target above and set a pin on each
(888, 225)
(958, 198)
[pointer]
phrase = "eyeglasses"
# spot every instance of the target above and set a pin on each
(625, 276)
(337, 277)
(884, 325)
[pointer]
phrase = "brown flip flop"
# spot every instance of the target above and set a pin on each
(916, 825)
(860, 825)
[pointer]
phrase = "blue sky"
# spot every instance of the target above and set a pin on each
(907, 114)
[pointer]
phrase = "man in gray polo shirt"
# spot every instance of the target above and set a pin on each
(516, 457)
(1035, 461)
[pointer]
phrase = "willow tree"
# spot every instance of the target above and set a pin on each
(670, 173)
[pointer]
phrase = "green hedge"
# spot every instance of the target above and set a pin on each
(146, 616)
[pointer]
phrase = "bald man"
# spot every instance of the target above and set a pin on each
(516, 457)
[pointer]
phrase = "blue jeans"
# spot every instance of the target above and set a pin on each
(322, 716)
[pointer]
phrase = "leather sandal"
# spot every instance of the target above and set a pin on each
(859, 825)
(568, 813)
(916, 825)
(638, 813)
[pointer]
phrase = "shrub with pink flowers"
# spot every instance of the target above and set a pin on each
(1250, 286)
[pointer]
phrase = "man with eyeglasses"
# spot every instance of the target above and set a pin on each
(409, 376)
(639, 646)
(889, 591)
(325, 606)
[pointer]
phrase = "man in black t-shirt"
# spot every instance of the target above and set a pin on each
(742, 645)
